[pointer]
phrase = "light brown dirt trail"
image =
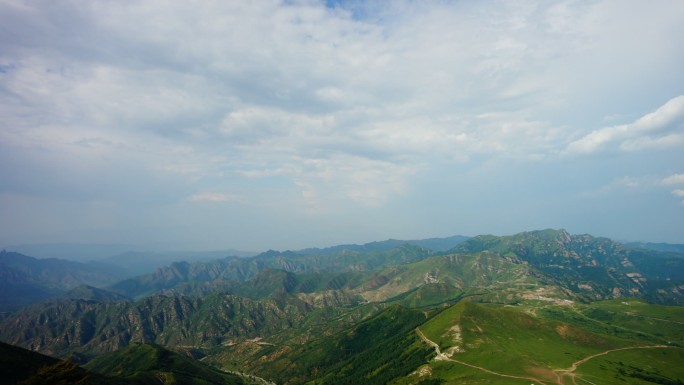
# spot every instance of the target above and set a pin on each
(443, 357)
(570, 372)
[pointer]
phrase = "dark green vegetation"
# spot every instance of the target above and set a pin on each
(137, 364)
(374, 351)
(69, 326)
(542, 307)
(245, 269)
(20, 366)
(593, 268)
(146, 364)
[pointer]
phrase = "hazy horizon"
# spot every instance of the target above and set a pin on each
(94, 251)
(293, 124)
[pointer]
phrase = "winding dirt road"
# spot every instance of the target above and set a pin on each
(570, 372)
(443, 357)
(561, 374)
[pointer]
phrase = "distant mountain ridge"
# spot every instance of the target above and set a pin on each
(596, 267)
(143, 262)
(667, 247)
(25, 280)
(107, 252)
(244, 269)
(434, 244)
(90, 293)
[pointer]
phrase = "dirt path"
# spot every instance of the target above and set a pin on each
(574, 309)
(570, 372)
(561, 374)
(443, 357)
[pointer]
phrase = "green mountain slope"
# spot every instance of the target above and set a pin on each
(78, 326)
(21, 366)
(438, 279)
(480, 343)
(510, 340)
(228, 269)
(596, 268)
(483, 343)
(274, 302)
(18, 364)
(91, 293)
(137, 364)
(519, 309)
(244, 269)
(434, 244)
(146, 364)
(203, 308)
(374, 351)
(631, 319)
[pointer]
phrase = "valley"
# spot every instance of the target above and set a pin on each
(541, 307)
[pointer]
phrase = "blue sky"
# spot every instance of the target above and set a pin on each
(269, 124)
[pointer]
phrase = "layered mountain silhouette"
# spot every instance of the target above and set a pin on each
(382, 313)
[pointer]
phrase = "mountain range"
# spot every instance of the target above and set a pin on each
(525, 308)
(25, 280)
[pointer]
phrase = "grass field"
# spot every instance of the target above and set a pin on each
(638, 366)
(493, 344)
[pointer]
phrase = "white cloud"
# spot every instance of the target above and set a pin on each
(674, 179)
(653, 130)
(328, 109)
(365, 181)
(653, 143)
(678, 193)
(670, 115)
(659, 129)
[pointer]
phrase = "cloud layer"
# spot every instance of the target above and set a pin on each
(298, 112)
(663, 128)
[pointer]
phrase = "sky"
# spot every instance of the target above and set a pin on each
(269, 124)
